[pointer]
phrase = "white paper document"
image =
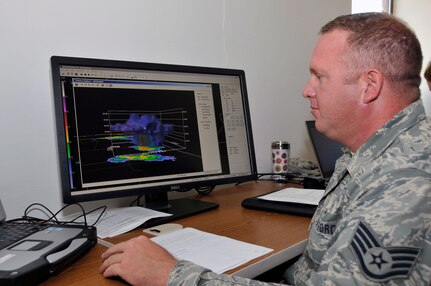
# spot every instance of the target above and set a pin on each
(215, 252)
(116, 221)
(295, 195)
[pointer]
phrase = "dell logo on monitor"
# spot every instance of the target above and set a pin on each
(175, 187)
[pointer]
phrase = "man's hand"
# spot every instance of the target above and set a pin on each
(139, 261)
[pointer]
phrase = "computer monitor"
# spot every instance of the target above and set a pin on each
(327, 151)
(130, 128)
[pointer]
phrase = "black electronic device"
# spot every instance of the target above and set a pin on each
(279, 207)
(32, 251)
(131, 128)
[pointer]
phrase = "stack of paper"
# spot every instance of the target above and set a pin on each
(211, 251)
(116, 221)
(295, 195)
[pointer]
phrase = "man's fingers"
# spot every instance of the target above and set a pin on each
(111, 260)
(117, 248)
(112, 270)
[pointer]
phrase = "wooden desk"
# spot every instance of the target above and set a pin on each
(285, 234)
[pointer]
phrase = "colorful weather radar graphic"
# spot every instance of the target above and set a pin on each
(147, 134)
(140, 157)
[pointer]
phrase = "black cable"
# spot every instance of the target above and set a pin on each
(100, 216)
(203, 191)
(27, 210)
(137, 200)
(286, 175)
(27, 219)
(53, 215)
(89, 212)
(79, 205)
(260, 175)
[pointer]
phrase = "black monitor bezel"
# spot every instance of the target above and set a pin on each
(58, 61)
(325, 173)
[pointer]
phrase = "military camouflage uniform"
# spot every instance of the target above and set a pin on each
(373, 225)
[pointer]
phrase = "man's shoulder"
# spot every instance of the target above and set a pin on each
(412, 148)
(419, 132)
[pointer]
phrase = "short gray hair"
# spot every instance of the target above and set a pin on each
(384, 42)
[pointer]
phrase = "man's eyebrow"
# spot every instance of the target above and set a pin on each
(313, 70)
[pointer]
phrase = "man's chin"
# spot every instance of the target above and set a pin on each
(315, 113)
(319, 125)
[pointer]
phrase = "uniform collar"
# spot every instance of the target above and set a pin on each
(387, 134)
(377, 143)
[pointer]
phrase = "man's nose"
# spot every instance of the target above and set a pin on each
(308, 91)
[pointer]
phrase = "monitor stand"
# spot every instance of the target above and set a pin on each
(179, 208)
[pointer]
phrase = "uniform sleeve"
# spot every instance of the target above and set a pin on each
(187, 273)
(376, 243)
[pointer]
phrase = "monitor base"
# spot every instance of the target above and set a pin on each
(181, 208)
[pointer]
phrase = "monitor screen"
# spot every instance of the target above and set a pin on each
(327, 150)
(130, 128)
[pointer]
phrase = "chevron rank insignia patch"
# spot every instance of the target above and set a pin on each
(379, 263)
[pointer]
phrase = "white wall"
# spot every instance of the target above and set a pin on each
(271, 40)
(360, 6)
(417, 15)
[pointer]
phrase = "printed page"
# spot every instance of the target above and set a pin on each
(295, 195)
(116, 221)
(215, 252)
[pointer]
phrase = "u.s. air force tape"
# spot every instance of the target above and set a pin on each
(379, 263)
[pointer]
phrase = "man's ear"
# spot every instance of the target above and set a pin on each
(373, 80)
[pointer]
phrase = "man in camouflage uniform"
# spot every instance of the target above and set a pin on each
(373, 225)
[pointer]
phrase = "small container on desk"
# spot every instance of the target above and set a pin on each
(280, 159)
